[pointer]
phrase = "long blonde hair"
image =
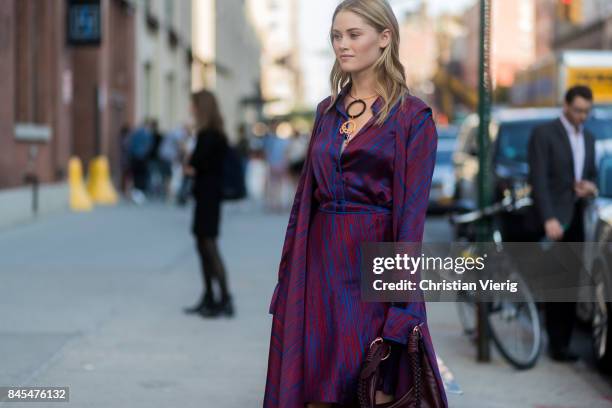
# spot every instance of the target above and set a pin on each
(389, 71)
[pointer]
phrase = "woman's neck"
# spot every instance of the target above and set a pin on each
(363, 84)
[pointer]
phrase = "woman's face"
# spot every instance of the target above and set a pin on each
(357, 45)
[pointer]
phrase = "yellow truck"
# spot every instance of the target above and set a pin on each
(545, 83)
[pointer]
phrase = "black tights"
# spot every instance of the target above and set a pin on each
(212, 266)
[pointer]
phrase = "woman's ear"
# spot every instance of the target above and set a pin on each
(384, 38)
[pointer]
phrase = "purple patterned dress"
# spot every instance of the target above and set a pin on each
(376, 190)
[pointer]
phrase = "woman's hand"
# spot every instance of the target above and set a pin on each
(189, 170)
(382, 398)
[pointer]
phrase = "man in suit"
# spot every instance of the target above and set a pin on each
(562, 174)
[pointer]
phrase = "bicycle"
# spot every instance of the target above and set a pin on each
(514, 325)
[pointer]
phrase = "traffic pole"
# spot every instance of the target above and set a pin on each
(484, 189)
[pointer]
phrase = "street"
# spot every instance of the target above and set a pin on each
(93, 302)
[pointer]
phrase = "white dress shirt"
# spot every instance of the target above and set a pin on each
(576, 139)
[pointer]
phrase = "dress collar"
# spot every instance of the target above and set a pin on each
(376, 106)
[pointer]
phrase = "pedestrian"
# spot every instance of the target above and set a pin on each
(296, 155)
(141, 142)
(159, 173)
(187, 148)
(562, 174)
(275, 149)
(243, 145)
(170, 152)
(124, 159)
(257, 171)
(206, 166)
(243, 152)
(368, 184)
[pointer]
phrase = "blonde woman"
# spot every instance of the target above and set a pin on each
(363, 182)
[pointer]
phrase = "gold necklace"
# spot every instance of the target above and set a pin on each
(369, 97)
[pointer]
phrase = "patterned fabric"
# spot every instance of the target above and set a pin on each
(376, 190)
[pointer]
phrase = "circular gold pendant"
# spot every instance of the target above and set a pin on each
(348, 127)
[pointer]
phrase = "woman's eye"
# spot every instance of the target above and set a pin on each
(354, 35)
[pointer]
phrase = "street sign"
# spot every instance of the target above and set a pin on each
(599, 79)
(84, 22)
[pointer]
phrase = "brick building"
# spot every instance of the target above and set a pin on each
(59, 99)
(512, 41)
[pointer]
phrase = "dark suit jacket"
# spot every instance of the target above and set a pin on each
(551, 171)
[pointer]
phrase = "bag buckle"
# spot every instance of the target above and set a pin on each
(380, 340)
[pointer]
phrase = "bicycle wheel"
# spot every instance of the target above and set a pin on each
(515, 327)
(466, 309)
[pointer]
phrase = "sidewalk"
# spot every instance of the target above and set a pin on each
(498, 385)
(94, 302)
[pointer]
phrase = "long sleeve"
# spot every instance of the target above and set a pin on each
(202, 153)
(290, 233)
(591, 170)
(538, 159)
(297, 227)
(413, 181)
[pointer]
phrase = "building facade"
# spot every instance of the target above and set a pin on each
(227, 60)
(419, 51)
(281, 74)
(163, 61)
(589, 28)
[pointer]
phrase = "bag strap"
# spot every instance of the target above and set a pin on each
(414, 342)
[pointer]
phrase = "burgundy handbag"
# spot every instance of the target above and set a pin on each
(423, 394)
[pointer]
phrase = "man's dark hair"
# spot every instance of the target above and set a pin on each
(578, 90)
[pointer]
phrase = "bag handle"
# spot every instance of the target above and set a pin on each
(379, 351)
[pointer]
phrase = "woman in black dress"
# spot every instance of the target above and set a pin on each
(206, 166)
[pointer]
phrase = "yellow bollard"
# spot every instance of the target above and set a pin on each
(99, 183)
(79, 198)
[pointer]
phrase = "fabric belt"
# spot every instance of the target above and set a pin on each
(351, 207)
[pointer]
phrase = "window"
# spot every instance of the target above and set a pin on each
(170, 13)
(605, 177)
(513, 140)
(171, 100)
(28, 58)
(147, 88)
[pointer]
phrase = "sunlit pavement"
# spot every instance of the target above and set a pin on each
(94, 302)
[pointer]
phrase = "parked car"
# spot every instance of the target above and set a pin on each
(509, 133)
(598, 265)
(599, 124)
(442, 195)
(448, 132)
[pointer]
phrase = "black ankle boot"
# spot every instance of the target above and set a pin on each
(226, 306)
(207, 302)
(210, 308)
